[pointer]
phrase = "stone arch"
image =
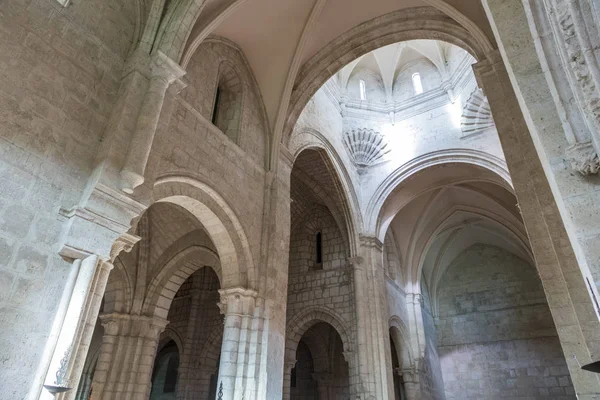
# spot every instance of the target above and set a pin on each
(492, 169)
(403, 25)
(350, 212)
(400, 335)
(163, 287)
(429, 236)
(310, 316)
(220, 221)
(169, 334)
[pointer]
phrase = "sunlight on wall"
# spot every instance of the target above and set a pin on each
(455, 112)
(401, 139)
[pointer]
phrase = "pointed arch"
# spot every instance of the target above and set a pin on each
(383, 205)
(398, 26)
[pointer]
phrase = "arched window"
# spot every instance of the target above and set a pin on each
(319, 246)
(363, 90)
(416, 79)
(227, 106)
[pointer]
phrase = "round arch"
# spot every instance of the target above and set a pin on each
(164, 285)
(308, 317)
(379, 211)
(219, 220)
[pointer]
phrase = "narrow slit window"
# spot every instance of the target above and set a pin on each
(363, 90)
(416, 79)
(319, 243)
(293, 378)
(215, 113)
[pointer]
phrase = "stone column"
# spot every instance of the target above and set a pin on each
(373, 349)
(287, 379)
(124, 369)
(568, 296)
(412, 383)
(78, 326)
(241, 349)
(163, 72)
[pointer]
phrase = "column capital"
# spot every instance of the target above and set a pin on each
(162, 67)
(409, 375)
(124, 242)
(117, 324)
(155, 65)
(237, 300)
(371, 241)
(289, 366)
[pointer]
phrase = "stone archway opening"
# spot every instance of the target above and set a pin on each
(320, 371)
(167, 288)
(197, 324)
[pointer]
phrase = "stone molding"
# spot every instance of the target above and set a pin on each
(583, 158)
(371, 242)
(94, 227)
(117, 324)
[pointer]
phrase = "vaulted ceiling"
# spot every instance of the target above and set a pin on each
(279, 36)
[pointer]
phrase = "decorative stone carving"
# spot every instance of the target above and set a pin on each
(578, 44)
(366, 147)
(583, 158)
(476, 116)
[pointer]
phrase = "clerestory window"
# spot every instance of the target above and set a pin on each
(363, 90)
(417, 86)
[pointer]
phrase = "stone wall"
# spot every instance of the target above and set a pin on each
(329, 284)
(60, 71)
(496, 337)
(187, 143)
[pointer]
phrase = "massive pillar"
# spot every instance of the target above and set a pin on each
(569, 297)
(241, 349)
(374, 360)
(124, 369)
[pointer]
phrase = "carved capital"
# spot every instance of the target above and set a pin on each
(162, 67)
(237, 301)
(116, 324)
(125, 243)
(583, 158)
(371, 241)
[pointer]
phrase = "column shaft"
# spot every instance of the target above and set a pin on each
(575, 318)
(124, 369)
